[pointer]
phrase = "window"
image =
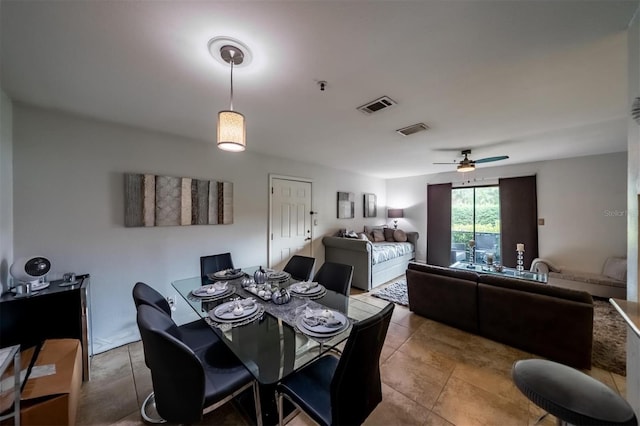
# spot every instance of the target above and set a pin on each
(475, 215)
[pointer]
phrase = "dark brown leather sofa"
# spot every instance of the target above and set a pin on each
(553, 322)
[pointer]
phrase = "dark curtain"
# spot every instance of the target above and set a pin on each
(439, 224)
(518, 219)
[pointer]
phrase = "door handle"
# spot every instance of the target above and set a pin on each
(308, 239)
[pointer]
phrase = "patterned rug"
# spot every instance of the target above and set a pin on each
(609, 329)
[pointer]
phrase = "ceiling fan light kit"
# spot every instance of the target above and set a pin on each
(467, 165)
(232, 130)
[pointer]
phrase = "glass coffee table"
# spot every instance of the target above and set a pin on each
(482, 268)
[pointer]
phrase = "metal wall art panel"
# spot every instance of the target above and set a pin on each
(346, 205)
(152, 200)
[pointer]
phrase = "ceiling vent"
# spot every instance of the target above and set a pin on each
(377, 105)
(414, 128)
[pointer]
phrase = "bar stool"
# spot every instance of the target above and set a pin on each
(570, 395)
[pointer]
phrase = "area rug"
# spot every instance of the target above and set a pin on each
(609, 329)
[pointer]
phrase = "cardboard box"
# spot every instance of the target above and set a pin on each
(53, 399)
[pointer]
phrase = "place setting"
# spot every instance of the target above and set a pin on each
(217, 290)
(226, 274)
(235, 312)
(308, 289)
(278, 276)
(321, 323)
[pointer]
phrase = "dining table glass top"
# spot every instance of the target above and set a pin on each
(274, 343)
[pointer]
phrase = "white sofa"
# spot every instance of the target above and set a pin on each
(612, 282)
(372, 264)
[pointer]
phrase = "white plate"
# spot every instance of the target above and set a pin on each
(296, 288)
(230, 316)
(204, 290)
(305, 330)
(223, 275)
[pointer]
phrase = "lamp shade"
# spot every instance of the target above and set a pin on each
(231, 131)
(395, 213)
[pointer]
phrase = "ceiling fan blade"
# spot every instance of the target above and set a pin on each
(490, 159)
(451, 163)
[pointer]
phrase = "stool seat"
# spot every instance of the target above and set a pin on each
(571, 395)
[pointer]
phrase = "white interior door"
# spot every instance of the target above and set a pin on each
(290, 220)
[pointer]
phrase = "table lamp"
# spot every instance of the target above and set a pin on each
(395, 214)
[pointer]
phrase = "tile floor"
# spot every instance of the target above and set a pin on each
(432, 374)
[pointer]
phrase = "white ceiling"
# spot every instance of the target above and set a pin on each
(531, 79)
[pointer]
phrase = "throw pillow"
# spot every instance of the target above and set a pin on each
(400, 236)
(378, 235)
(369, 231)
(388, 234)
(363, 236)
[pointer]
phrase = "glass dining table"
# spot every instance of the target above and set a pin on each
(272, 345)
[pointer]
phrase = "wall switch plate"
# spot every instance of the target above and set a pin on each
(541, 221)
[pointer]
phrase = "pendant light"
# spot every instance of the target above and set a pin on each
(232, 132)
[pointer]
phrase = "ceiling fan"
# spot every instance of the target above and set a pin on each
(467, 165)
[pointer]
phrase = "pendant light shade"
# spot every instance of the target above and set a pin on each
(231, 131)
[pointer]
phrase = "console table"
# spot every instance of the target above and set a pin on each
(505, 272)
(61, 310)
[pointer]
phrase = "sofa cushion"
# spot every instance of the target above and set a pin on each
(369, 230)
(399, 236)
(447, 272)
(616, 268)
(378, 235)
(388, 235)
(537, 288)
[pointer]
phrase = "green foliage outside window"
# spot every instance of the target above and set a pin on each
(487, 211)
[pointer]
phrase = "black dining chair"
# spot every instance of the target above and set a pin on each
(215, 263)
(196, 335)
(188, 383)
(335, 276)
(300, 267)
(341, 391)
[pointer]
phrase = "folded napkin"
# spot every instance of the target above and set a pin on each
(233, 272)
(324, 317)
(306, 286)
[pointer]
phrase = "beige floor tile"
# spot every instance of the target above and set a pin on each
(397, 335)
(418, 381)
(490, 380)
(602, 376)
(464, 404)
(132, 419)
(537, 416)
(387, 351)
(423, 350)
(105, 401)
(396, 409)
(301, 420)
(436, 420)
(112, 364)
(621, 384)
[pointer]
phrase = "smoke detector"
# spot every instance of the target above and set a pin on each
(414, 128)
(377, 105)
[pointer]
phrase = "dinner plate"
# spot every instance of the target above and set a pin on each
(298, 289)
(225, 275)
(303, 329)
(321, 329)
(204, 290)
(222, 313)
(278, 275)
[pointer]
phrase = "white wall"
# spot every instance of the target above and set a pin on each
(583, 202)
(633, 199)
(69, 207)
(6, 189)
